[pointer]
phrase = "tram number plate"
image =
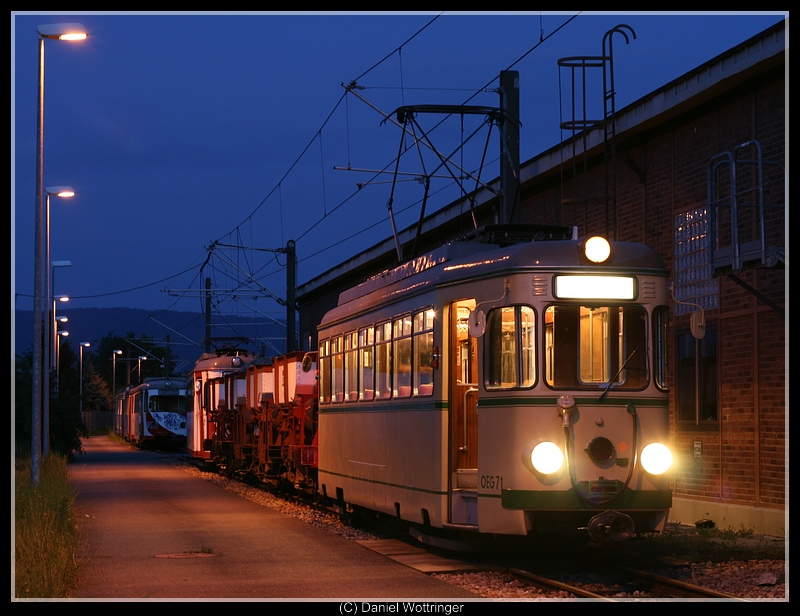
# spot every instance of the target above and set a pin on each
(491, 482)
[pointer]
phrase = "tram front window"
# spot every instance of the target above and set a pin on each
(510, 348)
(590, 346)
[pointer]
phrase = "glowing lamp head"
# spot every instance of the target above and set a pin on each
(63, 32)
(597, 249)
(547, 458)
(656, 458)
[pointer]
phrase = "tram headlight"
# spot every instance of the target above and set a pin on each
(597, 249)
(547, 458)
(656, 458)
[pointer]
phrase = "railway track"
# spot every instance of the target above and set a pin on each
(663, 587)
(555, 585)
(573, 574)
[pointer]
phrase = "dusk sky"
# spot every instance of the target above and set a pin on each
(180, 130)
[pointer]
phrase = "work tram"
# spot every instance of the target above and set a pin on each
(257, 417)
(153, 413)
(512, 386)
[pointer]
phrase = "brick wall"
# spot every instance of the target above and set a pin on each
(742, 459)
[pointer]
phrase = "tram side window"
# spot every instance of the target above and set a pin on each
(337, 370)
(351, 367)
(401, 358)
(366, 364)
(510, 348)
(660, 365)
(324, 371)
(423, 353)
(383, 361)
(588, 346)
(697, 379)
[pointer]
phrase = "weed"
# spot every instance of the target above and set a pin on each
(44, 531)
(703, 543)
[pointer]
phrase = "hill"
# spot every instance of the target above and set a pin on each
(182, 331)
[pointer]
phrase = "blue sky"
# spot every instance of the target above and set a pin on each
(180, 130)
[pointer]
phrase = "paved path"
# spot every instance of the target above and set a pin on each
(136, 507)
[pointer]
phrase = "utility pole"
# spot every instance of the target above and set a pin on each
(291, 295)
(168, 360)
(208, 315)
(291, 289)
(509, 144)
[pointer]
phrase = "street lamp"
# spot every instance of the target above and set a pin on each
(82, 345)
(61, 191)
(65, 32)
(56, 340)
(139, 367)
(53, 298)
(55, 321)
(61, 335)
(114, 354)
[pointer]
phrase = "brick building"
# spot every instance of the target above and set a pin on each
(696, 170)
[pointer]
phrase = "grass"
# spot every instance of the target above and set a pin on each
(45, 539)
(111, 434)
(714, 544)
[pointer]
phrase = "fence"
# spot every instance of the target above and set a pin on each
(98, 422)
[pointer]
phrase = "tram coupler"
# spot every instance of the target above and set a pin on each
(611, 527)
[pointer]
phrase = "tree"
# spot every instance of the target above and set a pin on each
(23, 399)
(66, 425)
(96, 392)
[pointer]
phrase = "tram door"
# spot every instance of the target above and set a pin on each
(463, 407)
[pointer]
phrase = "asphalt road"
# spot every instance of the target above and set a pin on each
(152, 531)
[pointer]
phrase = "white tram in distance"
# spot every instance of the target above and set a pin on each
(153, 413)
(503, 387)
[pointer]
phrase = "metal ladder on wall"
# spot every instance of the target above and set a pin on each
(745, 231)
(582, 122)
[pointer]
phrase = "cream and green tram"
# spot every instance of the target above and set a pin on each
(502, 389)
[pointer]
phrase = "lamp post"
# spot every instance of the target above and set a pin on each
(60, 335)
(50, 272)
(82, 345)
(114, 354)
(52, 303)
(61, 191)
(67, 32)
(139, 367)
(56, 320)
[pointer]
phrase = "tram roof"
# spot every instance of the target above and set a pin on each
(466, 261)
